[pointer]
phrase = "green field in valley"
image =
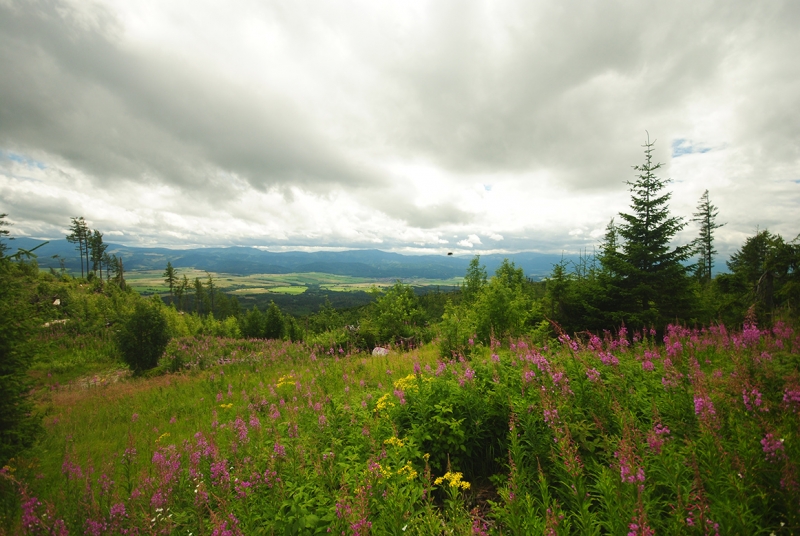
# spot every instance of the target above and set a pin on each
(152, 282)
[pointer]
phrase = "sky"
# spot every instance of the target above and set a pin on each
(415, 126)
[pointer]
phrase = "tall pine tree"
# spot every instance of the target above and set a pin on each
(97, 250)
(80, 236)
(650, 273)
(706, 216)
(170, 278)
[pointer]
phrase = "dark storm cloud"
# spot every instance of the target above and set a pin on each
(72, 90)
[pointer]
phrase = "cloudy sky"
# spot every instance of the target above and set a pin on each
(413, 126)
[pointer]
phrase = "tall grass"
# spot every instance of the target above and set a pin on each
(692, 434)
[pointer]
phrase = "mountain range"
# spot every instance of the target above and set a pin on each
(368, 263)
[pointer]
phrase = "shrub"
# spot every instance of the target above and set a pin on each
(143, 336)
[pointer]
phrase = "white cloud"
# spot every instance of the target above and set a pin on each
(355, 124)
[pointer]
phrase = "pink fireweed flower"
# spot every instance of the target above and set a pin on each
(608, 359)
(255, 423)
(117, 511)
(274, 414)
(674, 348)
(241, 429)
(772, 447)
(71, 470)
(129, 454)
(566, 341)
(322, 421)
(656, 437)
(593, 375)
(791, 398)
(628, 472)
(623, 336)
(703, 406)
(469, 374)
(540, 361)
(637, 530)
(279, 450)
(751, 335)
(219, 472)
(550, 415)
(134, 417)
(528, 376)
(751, 399)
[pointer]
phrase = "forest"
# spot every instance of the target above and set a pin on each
(639, 390)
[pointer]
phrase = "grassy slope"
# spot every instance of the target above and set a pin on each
(579, 430)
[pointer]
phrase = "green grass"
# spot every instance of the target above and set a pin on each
(583, 437)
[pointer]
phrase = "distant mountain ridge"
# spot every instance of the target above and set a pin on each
(369, 263)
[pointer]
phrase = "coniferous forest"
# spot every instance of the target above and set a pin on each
(650, 388)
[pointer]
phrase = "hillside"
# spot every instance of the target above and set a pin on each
(246, 260)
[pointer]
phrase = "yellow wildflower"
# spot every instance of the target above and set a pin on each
(162, 436)
(286, 380)
(384, 403)
(453, 480)
(408, 470)
(226, 406)
(394, 442)
(409, 383)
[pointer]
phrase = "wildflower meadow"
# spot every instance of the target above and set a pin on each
(691, 432)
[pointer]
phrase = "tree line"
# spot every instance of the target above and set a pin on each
(639, 279)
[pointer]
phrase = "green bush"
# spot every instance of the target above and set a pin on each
(143, 336)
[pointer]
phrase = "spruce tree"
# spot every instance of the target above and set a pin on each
(211, 290)
(182, 288)
(80, 236)
(650, 272)
(97, 249)
(706, 216)
(170, 278)
(199, 294)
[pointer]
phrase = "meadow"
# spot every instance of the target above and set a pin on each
(692, 432)
(152, 282)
